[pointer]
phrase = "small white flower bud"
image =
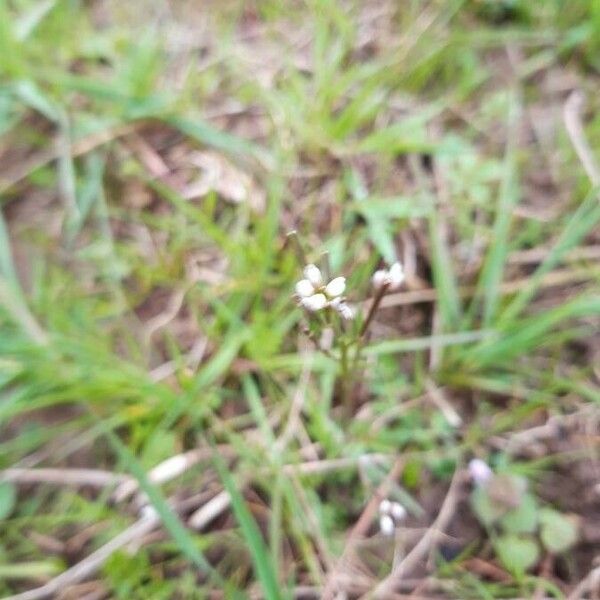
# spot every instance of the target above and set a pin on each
(385, 506)
(314, 303)
(386, 525)
(379, 279)
(396, 275)
(335, 287)
(480, 471)
(398, 511)
(304, 288)
(392, 278)
(313, 274)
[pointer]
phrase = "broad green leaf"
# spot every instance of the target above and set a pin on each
(487, 511)
(522, 519)
(559, 532)
(517, 554)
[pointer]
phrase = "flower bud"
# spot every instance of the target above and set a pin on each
(397, 511)
(396, 275)
(480, 471)
(379, 279)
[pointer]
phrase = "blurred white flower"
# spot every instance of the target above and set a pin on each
(479, 471)
(392, 278)
(398, 511)
(386, 525)
(390, 514)
(314, 295)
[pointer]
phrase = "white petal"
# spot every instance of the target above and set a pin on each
(313, 274)
(396, 274)
(385, 506)
(336, 287)
(336, 303)
(480, 471)
(398, 511)
(315, 302)
(345, 311)
(304, 288)
(380, 278)
(386, 525)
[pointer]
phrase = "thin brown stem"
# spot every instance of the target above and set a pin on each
(293, 238)
(381, 292)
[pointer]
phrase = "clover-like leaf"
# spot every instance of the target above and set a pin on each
(523, 519)
(559, 532)
(485, 509)
(507, 490)
(517, 553)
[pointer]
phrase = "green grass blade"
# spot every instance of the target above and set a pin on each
(256, 545)
(204, 133)
(493, 268)
(581, 223)
(173, 525)
(444, 278)
(424, 343)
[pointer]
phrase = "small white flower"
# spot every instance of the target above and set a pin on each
(314, 303)
(390, 514)
(313, 274)
(379, 278)
(480, 471)
(391, 278)
(396, 274)
(335, 287)
(314, 295)
(386, 525)
(304, 288)
(397, 511)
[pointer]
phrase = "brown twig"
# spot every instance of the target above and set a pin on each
(78, 477)
(552, 279)
(93, 562)
(386, 587)
(78, 148)
(590, 584)
(359, 531)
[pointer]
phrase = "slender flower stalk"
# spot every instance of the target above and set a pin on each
(383, 281)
